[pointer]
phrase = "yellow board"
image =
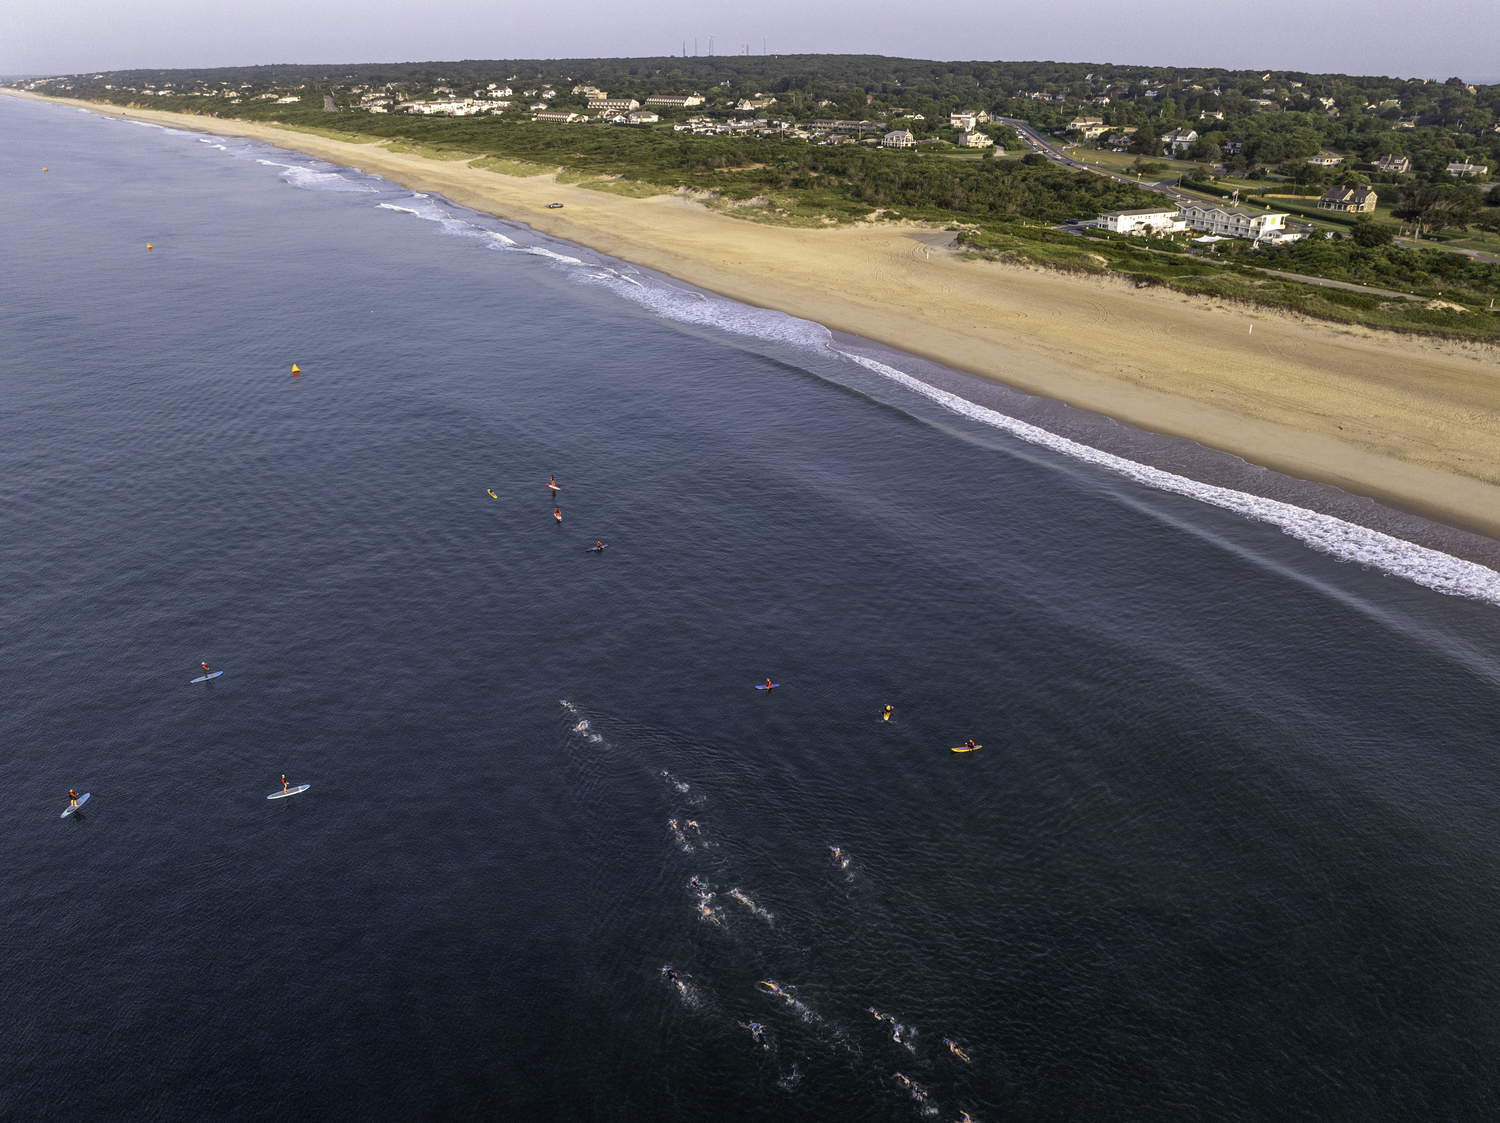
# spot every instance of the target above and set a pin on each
(965, 749)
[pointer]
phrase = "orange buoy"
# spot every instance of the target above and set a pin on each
(149, 246)
(44, 169)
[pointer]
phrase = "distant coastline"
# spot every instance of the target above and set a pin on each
(1409, 421)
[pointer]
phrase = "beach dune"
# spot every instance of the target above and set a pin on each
(1411, 421)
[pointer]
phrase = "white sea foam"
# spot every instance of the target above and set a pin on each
(1327, 534)
(310, 179)
(1324, 533)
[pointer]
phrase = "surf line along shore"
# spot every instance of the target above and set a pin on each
(1408, 420)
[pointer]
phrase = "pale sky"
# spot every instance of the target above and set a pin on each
(1433, 39)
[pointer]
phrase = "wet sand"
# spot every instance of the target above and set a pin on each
(1411, 421)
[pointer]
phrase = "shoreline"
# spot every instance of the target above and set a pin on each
(1409, 422)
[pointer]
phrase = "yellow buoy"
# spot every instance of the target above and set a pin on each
(149, 246)
(296, 370)
(44, 169)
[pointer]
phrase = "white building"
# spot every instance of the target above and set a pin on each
(1395, 165)
(1236, 222)
(614, 104)
(1325, 160)
(1179, 140)
(973, 138)
(1468, 169)
(558, 115)
(674, 102)
(1148, 222)
(642, 117)
(898, 138)
(967, 119)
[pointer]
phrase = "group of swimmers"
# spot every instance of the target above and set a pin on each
(552, 488)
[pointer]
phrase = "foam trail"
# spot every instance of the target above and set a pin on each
(1324, 533)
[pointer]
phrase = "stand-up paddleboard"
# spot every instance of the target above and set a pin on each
(965, 749)
(596, 549)
(763, 686)
(205, 678)
(84, 798)
(289, 791)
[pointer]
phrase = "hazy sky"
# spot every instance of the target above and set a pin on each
(1431, 39)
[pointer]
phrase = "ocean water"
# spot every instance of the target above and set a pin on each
(1228, 852)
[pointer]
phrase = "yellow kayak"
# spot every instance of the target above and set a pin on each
(492, 494)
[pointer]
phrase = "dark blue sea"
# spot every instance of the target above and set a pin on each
(1229, 850)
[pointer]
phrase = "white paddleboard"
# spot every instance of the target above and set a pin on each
(289, 791)
(84, 798)
(555, 487)
(205, 678)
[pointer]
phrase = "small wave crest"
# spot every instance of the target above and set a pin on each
(1327, 534)
(310, 179)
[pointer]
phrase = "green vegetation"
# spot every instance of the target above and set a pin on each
(1004, 207)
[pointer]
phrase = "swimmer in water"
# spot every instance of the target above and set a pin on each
(694, 883)
(771, 987)
(669, 973)
(956, 1051)
(694, 824)
(905, 1083)
(963, 1117)
(757, 1031)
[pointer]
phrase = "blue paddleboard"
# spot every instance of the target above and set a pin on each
(84, 798)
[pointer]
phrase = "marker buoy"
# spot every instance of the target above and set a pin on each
(149, 247)
(296, 371)
(44, 169)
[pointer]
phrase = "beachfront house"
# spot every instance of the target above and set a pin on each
(674, 101)
(1148, 222)
(1358, 200)
(1179, 140)
(1394, 165)
(973, 138)
(898, 138)
(1235, 222)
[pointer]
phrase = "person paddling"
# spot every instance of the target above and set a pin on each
(72, 800)
(769, 684)
(969, 744)
(284, 784)
(552, 484)
(557, 513)
(598, 547)
(886, 715)
(204, 666)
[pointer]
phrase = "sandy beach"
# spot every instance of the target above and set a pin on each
(1410, 421)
